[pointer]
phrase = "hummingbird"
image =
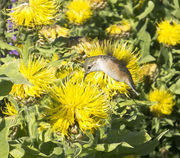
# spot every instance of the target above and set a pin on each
(111, 66)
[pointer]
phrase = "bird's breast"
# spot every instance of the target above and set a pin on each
(111, 69)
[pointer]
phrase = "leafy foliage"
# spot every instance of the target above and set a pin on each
(132, 129)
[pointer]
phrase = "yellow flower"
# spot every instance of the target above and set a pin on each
(39, 74)
(36, 12)
(121, 52)
(118, 29)
(163, 102)
(79, 11)
(77, 103)
(10, 109)
(52, 32)
(168, 33)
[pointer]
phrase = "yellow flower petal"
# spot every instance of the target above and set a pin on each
(10, 109)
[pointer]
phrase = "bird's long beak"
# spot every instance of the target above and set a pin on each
(85, 76)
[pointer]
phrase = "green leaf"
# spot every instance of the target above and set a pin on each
(176, 3)
(11, 72)
(169, 122)
(177, 13)
(148, 10)
(164, 56)
(175, 88)
(26, 49)
(4, 130)
(46, 51)
(111, 147)
(128, 10)
(145, 43)
(125, 148)
(148, 147)
(30, 117)
(155, 124)
(147, 59)
(140, 33)
(30, 151)
(47, 147)
(132, 138)
(175, 51)
(137, 138)
(57, 151)
(5, 87)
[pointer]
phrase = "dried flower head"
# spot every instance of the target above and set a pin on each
(52, 32)
(118, 29)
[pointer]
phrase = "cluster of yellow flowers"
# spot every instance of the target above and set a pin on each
(44, 12)
(78, 102)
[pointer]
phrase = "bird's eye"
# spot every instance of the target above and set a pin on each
(89, 67)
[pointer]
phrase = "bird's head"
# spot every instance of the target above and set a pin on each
(90, 65)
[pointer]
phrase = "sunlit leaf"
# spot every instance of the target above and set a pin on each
(4, 131)
(148, 10)
(11, 71)
(175, 88)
